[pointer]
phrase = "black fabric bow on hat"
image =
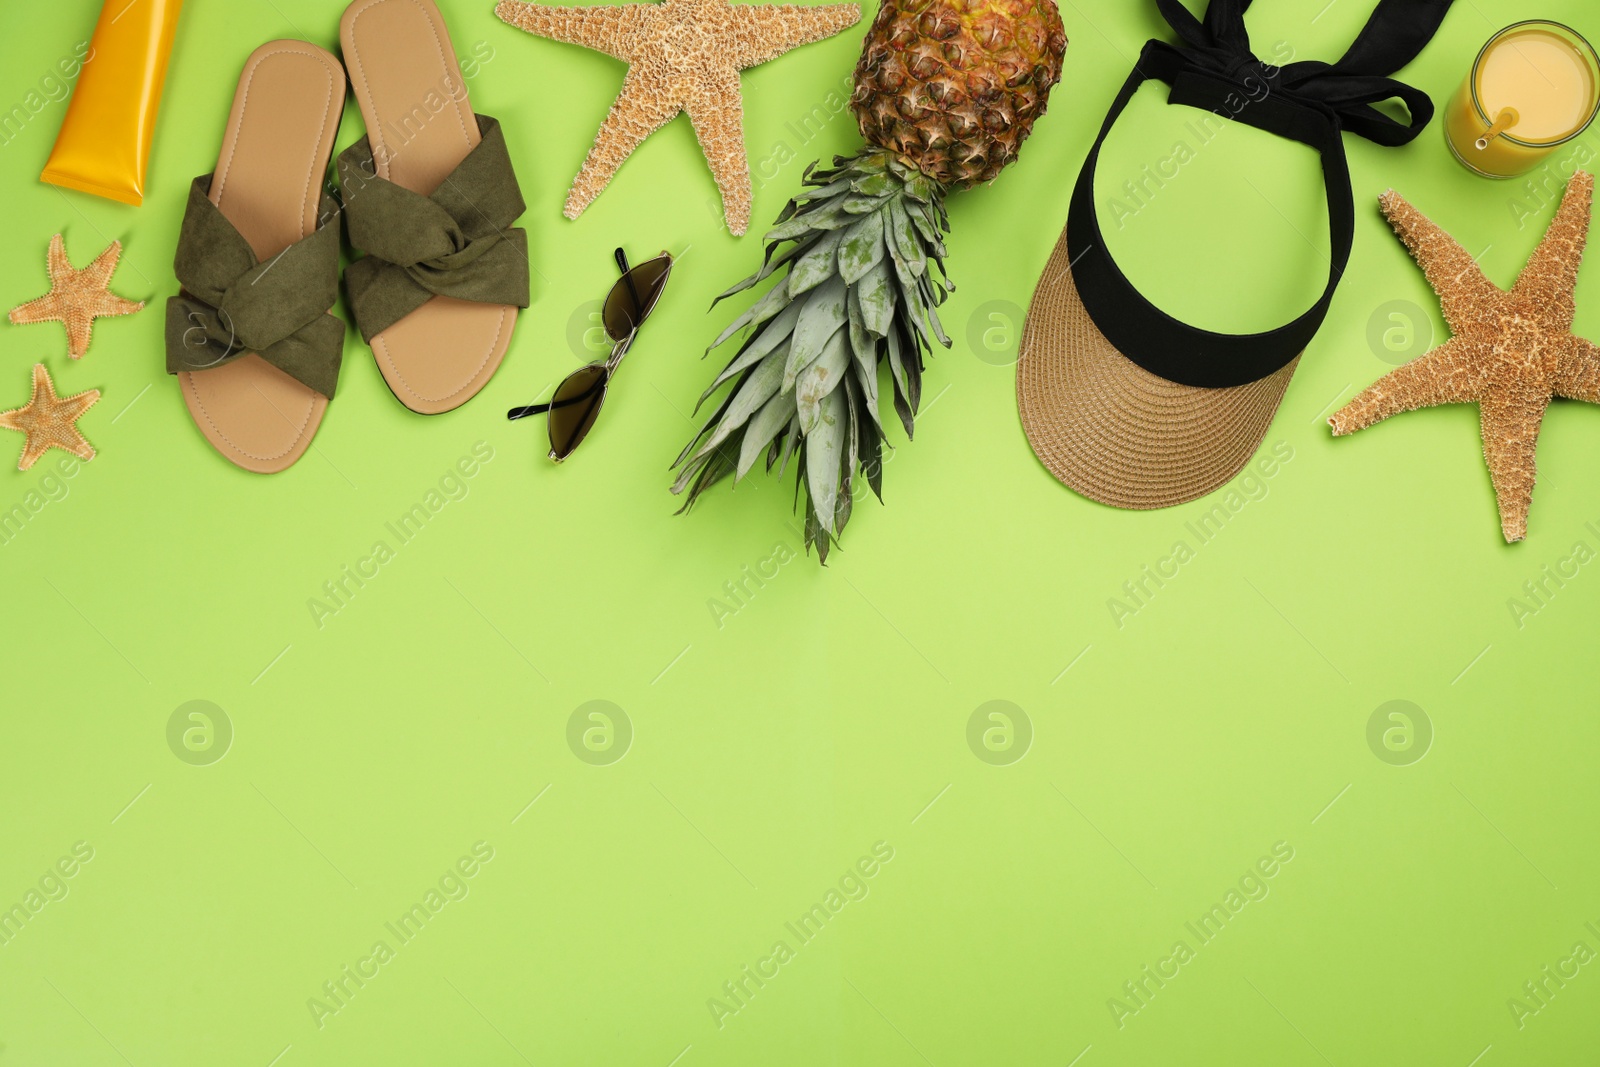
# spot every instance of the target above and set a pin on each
(1348, 89)
(1308, 101)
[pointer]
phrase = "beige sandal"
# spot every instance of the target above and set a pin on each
(429, 196)
(249, 337)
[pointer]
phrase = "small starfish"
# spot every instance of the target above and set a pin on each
(77, 297)
(1509, 352)
(683, 55)
(49, 421)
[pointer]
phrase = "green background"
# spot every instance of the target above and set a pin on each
(773, 742)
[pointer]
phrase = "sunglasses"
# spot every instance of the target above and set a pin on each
(577, 400)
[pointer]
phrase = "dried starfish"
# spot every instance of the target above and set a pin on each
(682, 55)
(49, 421)
(77, 297)
(1509, 352)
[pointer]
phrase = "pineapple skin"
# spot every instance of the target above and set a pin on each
(953, 87)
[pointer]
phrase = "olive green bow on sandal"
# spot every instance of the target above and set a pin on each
(232, 304)
(458, 242)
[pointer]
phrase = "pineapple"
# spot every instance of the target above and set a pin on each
(945, 93)
(954, 88)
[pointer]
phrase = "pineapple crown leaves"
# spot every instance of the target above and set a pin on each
(854, 255)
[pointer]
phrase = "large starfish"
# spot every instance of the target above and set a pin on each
(49, 421)
(682, 55)
(1509, 352)
(77, 297)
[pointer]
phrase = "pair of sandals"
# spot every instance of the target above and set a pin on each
(428, 195)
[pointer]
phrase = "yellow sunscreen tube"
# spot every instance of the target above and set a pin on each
(104, 144)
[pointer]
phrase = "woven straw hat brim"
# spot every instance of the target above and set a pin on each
(1116, 433)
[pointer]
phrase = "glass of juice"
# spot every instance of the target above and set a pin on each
(1534, 86)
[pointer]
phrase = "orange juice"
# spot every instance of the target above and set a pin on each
(1534, 86)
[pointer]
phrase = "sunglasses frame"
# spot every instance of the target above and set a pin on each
(609, 365)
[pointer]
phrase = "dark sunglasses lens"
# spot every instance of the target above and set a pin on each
(627, 305)
(575, 407)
